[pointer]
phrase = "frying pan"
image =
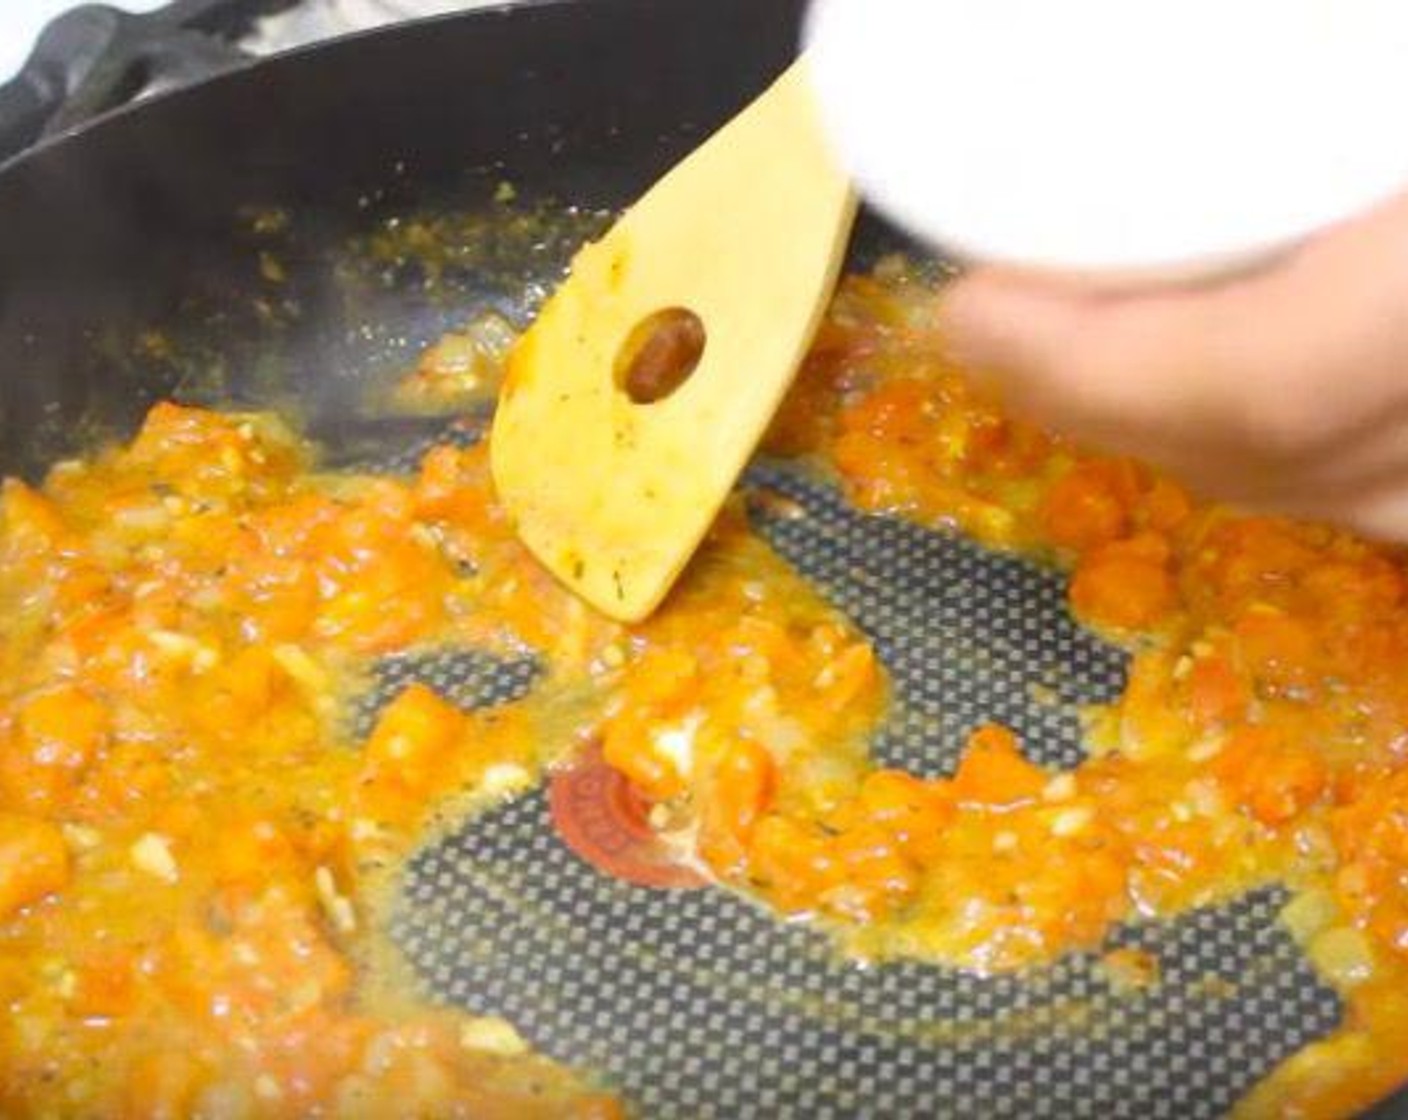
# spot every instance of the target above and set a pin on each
(134, 265)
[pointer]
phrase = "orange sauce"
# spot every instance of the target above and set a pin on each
(1262, 736)
(188, 843)
(193, 848)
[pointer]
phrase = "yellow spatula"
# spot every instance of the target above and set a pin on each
(634, 401)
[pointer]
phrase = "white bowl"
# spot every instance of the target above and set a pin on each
(1127, 138)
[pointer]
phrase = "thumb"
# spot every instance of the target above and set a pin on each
(1140, 373)
(994, 321)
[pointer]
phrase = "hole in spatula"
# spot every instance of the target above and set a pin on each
(659, 354)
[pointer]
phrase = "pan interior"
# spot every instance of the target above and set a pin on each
(697, 1003)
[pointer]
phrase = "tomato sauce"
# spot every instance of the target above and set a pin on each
(197, 853)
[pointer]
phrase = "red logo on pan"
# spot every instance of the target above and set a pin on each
(603, 820)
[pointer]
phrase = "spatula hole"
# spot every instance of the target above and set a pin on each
(659, 354)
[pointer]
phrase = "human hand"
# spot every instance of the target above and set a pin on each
(1285, 389)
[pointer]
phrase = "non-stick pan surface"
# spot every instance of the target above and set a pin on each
(134, 264)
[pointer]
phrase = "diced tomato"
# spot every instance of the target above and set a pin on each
(737, 794)
(1276, 647)
(1271, 778)
(1086, 507)
(993, 773)
(1217, 692)
(34, 862)
(58, 734)
(1125, 585)
(409, 756)
(1165, 506)
(629, 745)
(875, 872)
(791, 859)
